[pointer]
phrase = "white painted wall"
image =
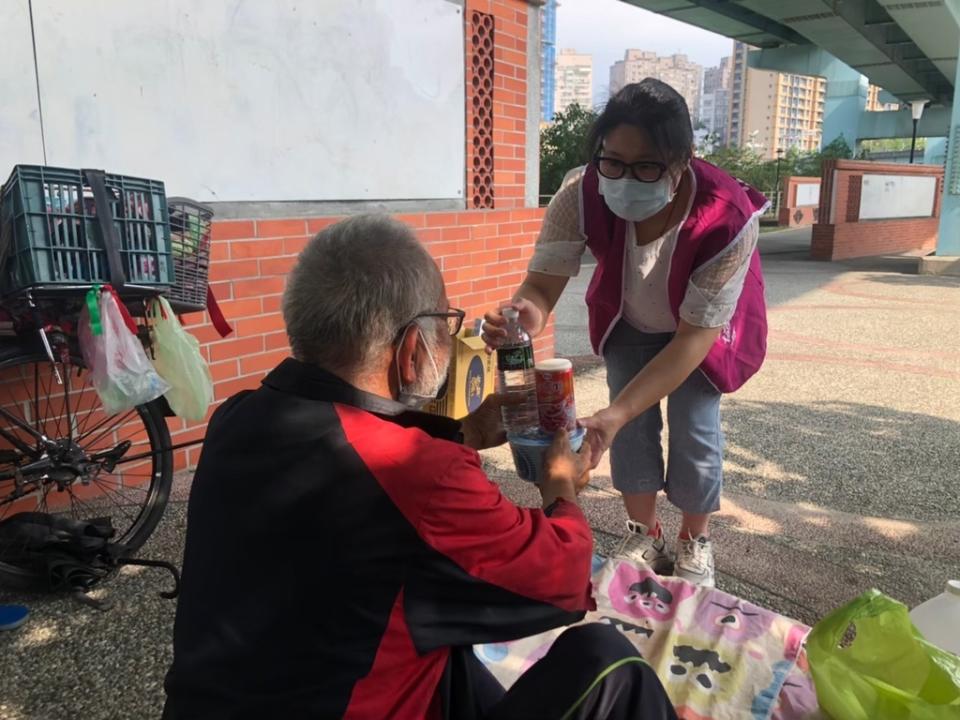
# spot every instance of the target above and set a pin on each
(897, 196)
(808, 194)
(237, 100)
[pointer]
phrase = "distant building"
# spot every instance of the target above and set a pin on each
(738, 94)
(874, 104)
(772, 111)
(715, 114)
(718, 78)
(574, 80)
(676, 70)
(715, 100)
(548, 58)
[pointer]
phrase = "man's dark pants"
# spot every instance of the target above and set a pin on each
(591, 671)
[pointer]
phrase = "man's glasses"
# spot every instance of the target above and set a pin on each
(644, 171)
(454, 318)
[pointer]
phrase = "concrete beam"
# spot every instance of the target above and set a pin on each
(804, 60)
(861, 15)
(878, 125)
(886, 97)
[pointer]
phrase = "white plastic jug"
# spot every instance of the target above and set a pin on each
(939, 618)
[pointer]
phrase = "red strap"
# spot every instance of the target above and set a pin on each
(124, 313)
(216, 314)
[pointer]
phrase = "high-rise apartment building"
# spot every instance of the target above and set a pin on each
(548, 57)
(715, 100)
(738, 93)
(874, 104)
(574, 80)
(772, 111)
(718, 78)
(675, 70)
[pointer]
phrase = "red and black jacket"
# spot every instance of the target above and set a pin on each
(338, 546)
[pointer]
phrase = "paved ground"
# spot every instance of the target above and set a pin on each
(842, 473)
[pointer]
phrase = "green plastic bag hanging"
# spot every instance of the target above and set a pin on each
(887, 671)
(178, 360)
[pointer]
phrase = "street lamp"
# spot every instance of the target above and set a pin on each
(776, 185)
(916, 110)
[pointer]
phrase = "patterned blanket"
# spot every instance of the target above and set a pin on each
(719, 657)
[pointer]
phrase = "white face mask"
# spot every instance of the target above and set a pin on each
(633, 200)
(423, 390)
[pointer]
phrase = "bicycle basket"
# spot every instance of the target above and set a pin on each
(60, 228)
(190, 244)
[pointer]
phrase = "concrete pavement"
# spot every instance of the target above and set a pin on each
(843, 453)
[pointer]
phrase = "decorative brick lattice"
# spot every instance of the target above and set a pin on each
(481, 107)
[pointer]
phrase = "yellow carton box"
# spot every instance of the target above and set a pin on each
(472, 378)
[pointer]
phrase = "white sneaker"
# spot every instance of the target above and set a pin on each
(695, 560)
(641, 549)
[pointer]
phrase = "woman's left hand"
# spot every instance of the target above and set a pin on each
(602, 428)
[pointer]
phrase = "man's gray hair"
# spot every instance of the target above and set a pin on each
(354, 287)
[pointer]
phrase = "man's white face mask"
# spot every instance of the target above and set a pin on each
(430, 384)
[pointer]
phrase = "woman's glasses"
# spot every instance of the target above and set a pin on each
(644, 171)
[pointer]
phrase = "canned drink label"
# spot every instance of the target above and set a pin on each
(555, 400)
(519, 358)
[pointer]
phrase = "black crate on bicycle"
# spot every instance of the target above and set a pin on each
(190, 224)
(61, 228)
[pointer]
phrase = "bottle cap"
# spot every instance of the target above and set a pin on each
(953, 587)
(554, 365)
(511, 313)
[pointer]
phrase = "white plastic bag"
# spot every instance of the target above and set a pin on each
(176, 356)
(120, 370)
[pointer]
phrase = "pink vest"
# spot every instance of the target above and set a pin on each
(721, 209)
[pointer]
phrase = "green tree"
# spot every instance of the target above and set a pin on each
(563, 146)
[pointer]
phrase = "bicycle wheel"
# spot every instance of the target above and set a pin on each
(61, 453)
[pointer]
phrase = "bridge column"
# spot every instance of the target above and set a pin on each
(845, 102)
(948, 241)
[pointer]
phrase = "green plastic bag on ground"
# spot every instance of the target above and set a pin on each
(888, 671)
(178, 360)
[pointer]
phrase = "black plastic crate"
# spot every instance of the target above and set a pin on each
(61, 228)
(190, 224)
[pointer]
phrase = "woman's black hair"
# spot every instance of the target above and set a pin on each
(655, 107)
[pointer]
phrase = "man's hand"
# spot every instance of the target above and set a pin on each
(565, 473)
(602, 428)
(483, 428)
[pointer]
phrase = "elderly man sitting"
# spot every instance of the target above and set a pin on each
(344, 551)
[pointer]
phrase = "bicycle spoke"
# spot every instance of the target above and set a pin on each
(72, 416)
(117, 420)
(13, 428)
(119, 506)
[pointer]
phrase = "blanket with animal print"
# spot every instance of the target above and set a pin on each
(718, 657)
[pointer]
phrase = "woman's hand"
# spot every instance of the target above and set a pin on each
(494, 326)
(602, 428)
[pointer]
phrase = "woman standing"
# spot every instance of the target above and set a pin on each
(675, 304)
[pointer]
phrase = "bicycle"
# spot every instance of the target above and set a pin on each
(61, 454)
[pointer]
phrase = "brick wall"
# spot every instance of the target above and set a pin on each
(841, 234)
(791, 213)
(482, 254)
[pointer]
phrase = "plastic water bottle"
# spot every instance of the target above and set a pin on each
(938, 619)
(515, 375)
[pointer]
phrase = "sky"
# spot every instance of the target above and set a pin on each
(605, 28)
